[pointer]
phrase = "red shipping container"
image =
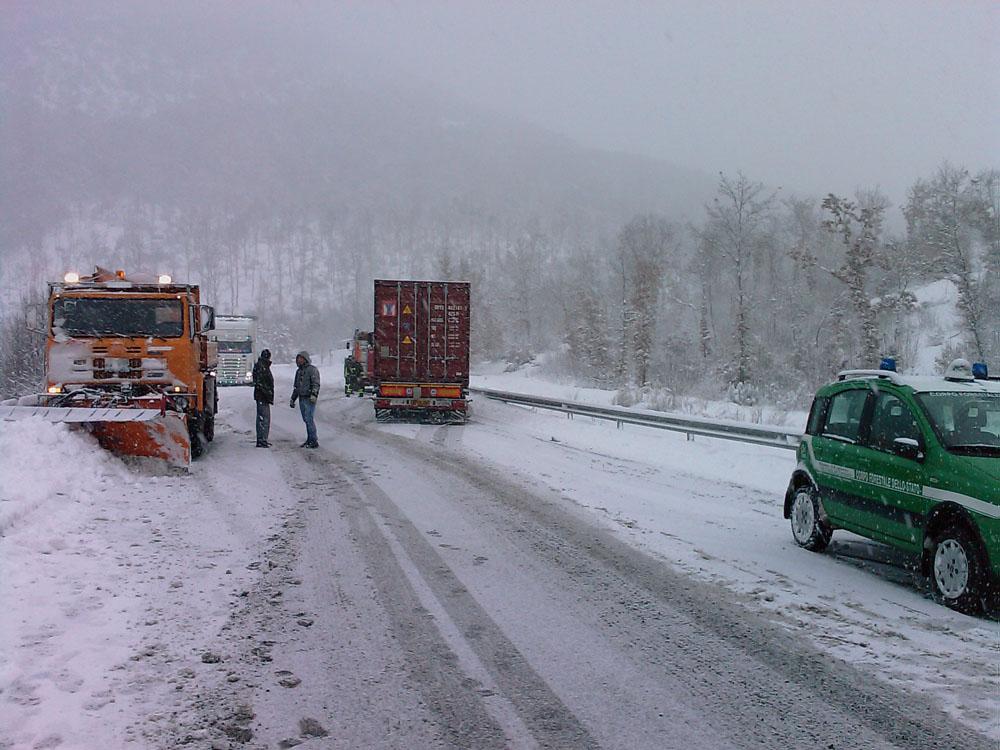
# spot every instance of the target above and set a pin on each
(421, 346)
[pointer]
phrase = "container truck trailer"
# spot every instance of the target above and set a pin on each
(421, 337)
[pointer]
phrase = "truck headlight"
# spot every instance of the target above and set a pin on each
(249, 376)
(181, 403)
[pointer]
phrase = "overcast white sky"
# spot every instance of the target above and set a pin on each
(815, 96)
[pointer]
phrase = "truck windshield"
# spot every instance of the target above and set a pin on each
(90, 316)
(967, 423)
(235, 347)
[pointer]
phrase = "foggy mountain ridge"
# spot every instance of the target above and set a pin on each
(282, 168)
(89, 126)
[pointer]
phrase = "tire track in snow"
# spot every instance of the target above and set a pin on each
(747, 674)
(488, 667)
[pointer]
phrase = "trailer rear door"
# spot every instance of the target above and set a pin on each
(422, 331)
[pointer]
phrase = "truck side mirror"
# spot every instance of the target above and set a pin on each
(35, 318)
(207, 314)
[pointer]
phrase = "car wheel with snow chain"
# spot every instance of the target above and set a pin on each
(956, 569)
(808, 528)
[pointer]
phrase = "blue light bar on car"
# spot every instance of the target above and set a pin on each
(980, 371)
(888, 363)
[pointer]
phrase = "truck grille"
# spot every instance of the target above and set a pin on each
(233, 369)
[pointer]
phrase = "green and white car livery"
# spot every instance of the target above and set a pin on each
(910, 461)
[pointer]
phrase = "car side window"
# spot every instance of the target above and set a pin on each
(843, 416)
(816, 415)
(891, 419)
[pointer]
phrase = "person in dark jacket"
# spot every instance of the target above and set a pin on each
(263, 394)
(306, 391)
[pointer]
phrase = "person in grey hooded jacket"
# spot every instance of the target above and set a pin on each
(306, 391)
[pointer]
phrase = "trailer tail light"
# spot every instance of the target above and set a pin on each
(460, 405)
(395, 390)
(381, 403)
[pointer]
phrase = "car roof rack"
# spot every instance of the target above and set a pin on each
(889, 375)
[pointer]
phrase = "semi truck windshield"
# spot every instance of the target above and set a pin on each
(235, 347)
(88, 316)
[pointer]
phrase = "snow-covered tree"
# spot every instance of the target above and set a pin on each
(644, 244)
(949, 219)
(734, 230)
(859, 228)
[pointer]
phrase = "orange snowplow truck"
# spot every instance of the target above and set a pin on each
(130, 358)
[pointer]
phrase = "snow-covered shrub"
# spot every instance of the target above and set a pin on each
(22, 357)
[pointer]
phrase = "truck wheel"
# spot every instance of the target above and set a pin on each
(808, 529)
(196, 435)
(208, 430)
(197, 446)
(956, 569)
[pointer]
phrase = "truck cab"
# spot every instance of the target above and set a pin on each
(236, 337)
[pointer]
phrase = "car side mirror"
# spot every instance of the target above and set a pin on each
(907, 448)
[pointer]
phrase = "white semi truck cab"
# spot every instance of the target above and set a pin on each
(236, 336)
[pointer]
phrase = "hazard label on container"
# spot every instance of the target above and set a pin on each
(407, 340)
(407, 310)
(389, 309)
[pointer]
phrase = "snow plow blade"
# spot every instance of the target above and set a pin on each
(127, 432)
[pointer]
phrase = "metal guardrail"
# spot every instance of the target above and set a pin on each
(777, 437)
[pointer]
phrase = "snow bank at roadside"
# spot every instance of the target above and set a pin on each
(47, 466)
(531, 380)
(115, 579)
(58, 611)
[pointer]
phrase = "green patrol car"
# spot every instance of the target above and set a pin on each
(910, 461)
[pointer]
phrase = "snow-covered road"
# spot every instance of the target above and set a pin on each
(524, 580)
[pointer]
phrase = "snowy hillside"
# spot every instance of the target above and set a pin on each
(936, 322)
